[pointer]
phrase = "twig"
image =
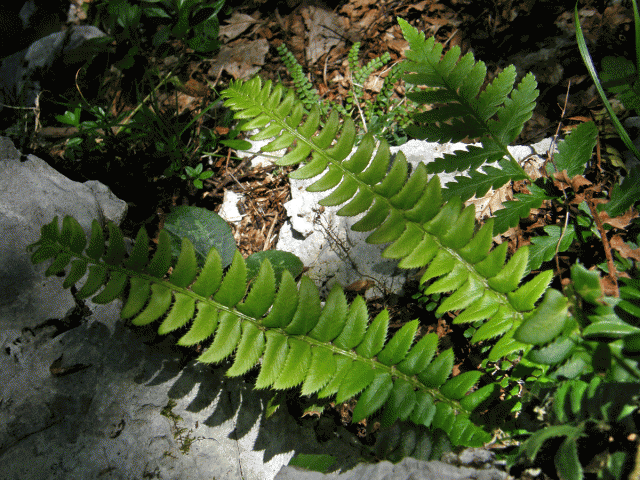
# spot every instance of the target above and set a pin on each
(605, 242)
(555, 137)
(550, 156)
(267, 242)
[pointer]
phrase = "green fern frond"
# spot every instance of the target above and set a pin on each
(495, 116)
(576, 406)
(307, 93)
(519, 208)
(593, 339)
(593, 375)
(330, 350)
(359, 74)
(404, 211)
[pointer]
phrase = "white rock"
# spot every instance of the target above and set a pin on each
(229, 208)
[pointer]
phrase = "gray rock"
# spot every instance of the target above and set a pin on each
(96, 401)
(84, 396)
(407, 469)
(32, 194)
(334, 253)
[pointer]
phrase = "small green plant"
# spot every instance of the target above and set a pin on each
(196, 175)
(382, 117)
(91, 133)
(139, 30)
(620, 76)
(304, 88)
(194, 22)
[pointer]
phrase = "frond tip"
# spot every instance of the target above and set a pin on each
(329, 350)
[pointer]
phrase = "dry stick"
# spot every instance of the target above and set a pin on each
(267, 242)
(356, 101)
(564, 229)
(605, 242)
(555, 137)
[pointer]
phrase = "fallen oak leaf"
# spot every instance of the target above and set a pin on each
(609, 288)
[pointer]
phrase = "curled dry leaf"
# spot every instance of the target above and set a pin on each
(492, 201)
(625, 250)
(237, 24)
(608, 287)
(360, 286)
(562, 181)
(241, 60)
(621, 221)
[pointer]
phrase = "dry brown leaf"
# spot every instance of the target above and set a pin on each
(360, 286)
(491, 201)
(420, 5)
(608, 287)
(625, 250)
(621, 221)
(579, 198)
(579, 181)
(241, 60)
(325, 31)
(398, 45)
(562, 180)
(374, 83)
(237, 24)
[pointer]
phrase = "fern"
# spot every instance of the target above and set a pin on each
(359, 75)
(579, 413)
(307, 93)
(576, 348)
(593, 357)
(456, 82)
(382, 116)
(330, 350)
(405, 211)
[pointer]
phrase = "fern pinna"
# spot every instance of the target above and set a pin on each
(330, 350)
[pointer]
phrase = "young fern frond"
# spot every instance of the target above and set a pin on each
(303, 86)
(359, 75)
(593, 360)
(577, 346)
(330, 350)
(404, 211)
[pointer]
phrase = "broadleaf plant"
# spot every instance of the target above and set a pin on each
(577, 336)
